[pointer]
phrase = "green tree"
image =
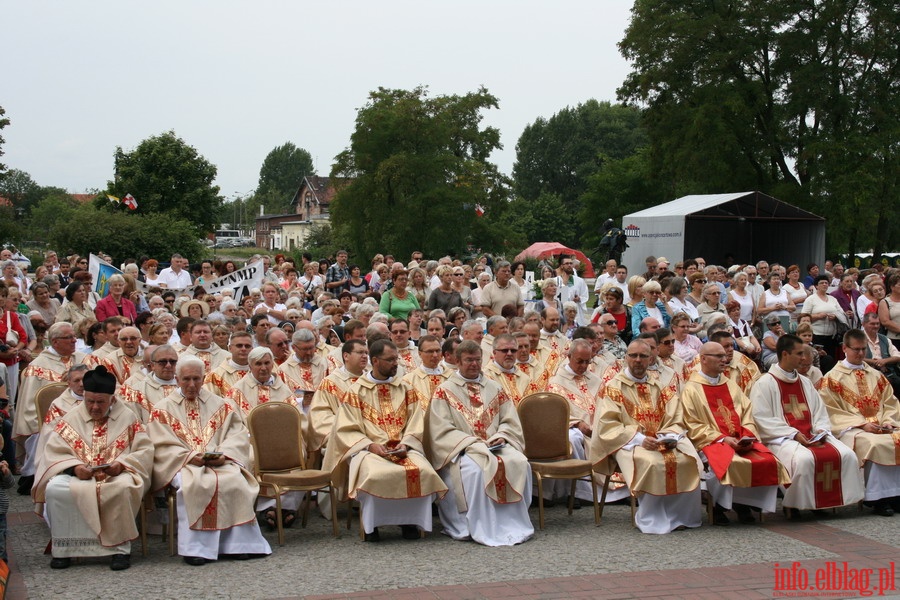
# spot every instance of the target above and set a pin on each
(280, 175)
(415, 169)
(795, 98)
(557, 156)
(21, 190)
(4, 121)
(57, 206)
(121, 235)
(167, 176)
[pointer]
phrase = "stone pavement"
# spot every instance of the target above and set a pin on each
(571, 558)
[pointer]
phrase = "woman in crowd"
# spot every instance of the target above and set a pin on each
(358, 285)
(14, 338)
(94, 338)
(739, 293)
(372, 277)
(150, 276)
(687, 346)
(678, 303)
(795, 290)
(460, 284)
(76, 308)
(416, 318)
(568, 319)
(291, 279)
(710, 304)
(398, 301)
(271, 303)
(518, 271)
(418, 285)
(43, 303)
(775, 300)
(195, 309)
(825, 313)
(650, 306)
(229, 267)
(311, 278)
(550, 297)
(456, 317)
(873, 292)
(635, 287)
(889, 308)
(157, 335)
(11, 278)
(116, 304)
(770, 339)
(483, 279)
(379, 278)
(444, 297)
(805, 333)
(613, 305)
(696, 283)
(131, 292)
(741, 330)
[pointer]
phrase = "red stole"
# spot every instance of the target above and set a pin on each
(763, 466)
(827, 483)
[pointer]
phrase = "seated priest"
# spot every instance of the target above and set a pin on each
(744, 474)
(638, 425)
(475, 441)
(92, 476)
(203, 452)
(378, 431)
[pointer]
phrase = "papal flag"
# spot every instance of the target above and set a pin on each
(113, 199)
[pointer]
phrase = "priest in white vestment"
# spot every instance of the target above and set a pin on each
(92, 476)
(378, 432)
(638, 425)
(475, 441)
(865, 415)
(789, 415)
(203, 452)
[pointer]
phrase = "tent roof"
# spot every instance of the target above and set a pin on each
(740, 204)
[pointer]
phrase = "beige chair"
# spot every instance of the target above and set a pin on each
(45, 397)
(612, 470)
(545, 427)
(276, 433)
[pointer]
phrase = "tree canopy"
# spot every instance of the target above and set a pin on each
(281, 173)
(556, 157)
(414, 171)
(796, 98)
(167, 176)
(4, 121)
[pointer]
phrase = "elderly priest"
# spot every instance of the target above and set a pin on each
(92, 476)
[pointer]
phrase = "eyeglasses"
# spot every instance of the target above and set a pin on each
(714, 293)
(667, 342)
(506, 350)
(166, 361)
(699, 281)
(852, 349)
(635, 355)
(607, 322)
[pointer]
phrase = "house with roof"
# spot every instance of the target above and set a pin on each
(310, 207)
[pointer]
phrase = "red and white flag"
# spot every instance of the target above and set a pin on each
(479, 210)
(129, 201)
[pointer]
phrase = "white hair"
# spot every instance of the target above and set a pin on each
(186, 361)
(258, 354)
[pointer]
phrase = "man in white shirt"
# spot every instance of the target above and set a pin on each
(572, 288)
(174, 276)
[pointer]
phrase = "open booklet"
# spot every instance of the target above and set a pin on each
(818, 437)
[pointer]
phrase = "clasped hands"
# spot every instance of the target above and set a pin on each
(85, 472)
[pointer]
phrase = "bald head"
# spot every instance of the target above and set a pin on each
(712, 359)
(649, 324)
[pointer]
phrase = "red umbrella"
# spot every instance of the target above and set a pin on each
(541, 250)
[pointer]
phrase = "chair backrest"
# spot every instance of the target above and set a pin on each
(45, 397)
(545, 426)
(276, 432)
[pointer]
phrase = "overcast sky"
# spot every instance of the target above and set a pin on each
(235, 79)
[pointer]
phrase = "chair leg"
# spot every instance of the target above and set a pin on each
(173, 521)
(594, 492)
(606, 479)
(307, 500)
(540, 500)
(633, 509)
(145, 551)
(349, 513)
(362, 532)
(572, 497)
(334, 525)
(279, 517)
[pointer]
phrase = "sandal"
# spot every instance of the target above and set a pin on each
(288, 517)
(267, 517)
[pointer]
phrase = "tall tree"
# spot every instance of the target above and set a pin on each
(414, 172)
(280, 175)
(167, 176)
(796, 98)
(4, 121)
(557, 156)
(21, 190)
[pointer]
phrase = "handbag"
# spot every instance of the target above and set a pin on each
(12, 338)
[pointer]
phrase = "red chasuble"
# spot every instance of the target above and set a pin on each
(828, 460)
(763, 465)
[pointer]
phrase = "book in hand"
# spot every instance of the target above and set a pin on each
(670, 439)
(211, 455)
(497, 447)
(818, 437)
(746, 440)
(100, 467)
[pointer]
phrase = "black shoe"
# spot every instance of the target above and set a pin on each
(60, 563)
(793, 514)
(195, 561)
(25, 484)
(374, 536)
(745, 515)
(120, 562)
(883, 508)
(576, 504)
(821, 514)
(241, 556)
(410, 532)
(895, 503)
(719, 516)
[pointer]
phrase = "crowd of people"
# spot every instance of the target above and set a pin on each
(407, 378)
